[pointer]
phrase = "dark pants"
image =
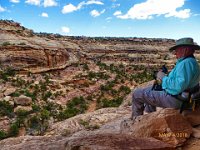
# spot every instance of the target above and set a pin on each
(148, 99)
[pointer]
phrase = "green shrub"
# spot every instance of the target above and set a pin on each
(84, 123)
(39, 122)
(6, 109)
(108, 86)
(21, 116)
(3, 134)
(19, 82)
(124, 89)
(32, 95)
(46, 95)
(44, 115)
(74, 107)
(142, 77)
(6, 43)
(85, 66)
(102, 66)
(88, 126)
(15, 94)
(6, 73)
(34, 122)
(52, 108)
(116, 102)
(14, 129)
(22, 43)
(43, 86)
(35, 108)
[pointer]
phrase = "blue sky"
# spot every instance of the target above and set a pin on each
(117, 18)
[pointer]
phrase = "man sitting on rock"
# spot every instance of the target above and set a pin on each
(185, 75)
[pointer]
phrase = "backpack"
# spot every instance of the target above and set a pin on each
(190, 98)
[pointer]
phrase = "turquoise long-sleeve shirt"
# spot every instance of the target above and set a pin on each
(186, 74)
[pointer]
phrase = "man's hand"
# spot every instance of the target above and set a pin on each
(160, 75)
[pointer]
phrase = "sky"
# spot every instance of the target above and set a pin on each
(171, 19)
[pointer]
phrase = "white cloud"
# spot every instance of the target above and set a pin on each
(108, 18)
(117, 13)
(65, 29)
(14, 1)
(90, 2)
(180, 14)
(2, 9)
(70, 7)
(151, 8)
(95, 13)
(93, 2)
(49, 3)
(44, 15)
(33, 2)
(115, 5)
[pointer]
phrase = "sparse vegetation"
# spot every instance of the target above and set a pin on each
(6, 73)
(22, 43)
(76, 106)
(3, 134)
(109, 102)
(100, 82)
(14, 129)
(6, 43)
(6, 109)
(88, 126)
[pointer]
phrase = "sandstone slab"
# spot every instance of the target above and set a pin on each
(23, 100)
(4, 123)
(92, 142)
(167, 125)
(9, 91)
(23, 108)
(115, 142)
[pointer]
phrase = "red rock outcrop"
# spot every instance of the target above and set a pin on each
(115, 142)
(167, 125)
(92, 142)
(23, 50)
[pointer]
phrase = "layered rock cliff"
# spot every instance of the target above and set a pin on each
(36, 52)
(23, 50)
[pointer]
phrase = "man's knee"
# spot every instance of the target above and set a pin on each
(137, 93)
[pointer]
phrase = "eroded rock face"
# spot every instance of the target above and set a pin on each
(115, 142)
(27, 51)
(97, 118)
(33, 59)
(34, 52)
(33, 143)
(167, 125)
(92, 142)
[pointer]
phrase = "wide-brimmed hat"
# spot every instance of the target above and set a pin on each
(185, 42)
